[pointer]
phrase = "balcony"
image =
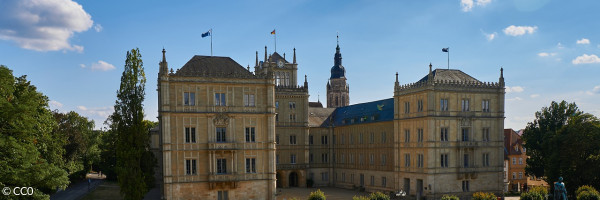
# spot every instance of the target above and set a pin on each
(291, 166)
(222, 146)
(240, 146)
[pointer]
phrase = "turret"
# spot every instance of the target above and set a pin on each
(501, 79)
(294, 55)
(164, 67)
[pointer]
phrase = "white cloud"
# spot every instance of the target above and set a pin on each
(102, 66)
(103, 112)
(586, 59)
(544, 54)
(583, 41)
(55, 104)
(491, 36)
(513, 30)
(514, 89)
(596, 89)
(467, 5)
(43, 25)
(560, 46)
(534, 96)
(515, 99)
(98, 27)
(82, 65)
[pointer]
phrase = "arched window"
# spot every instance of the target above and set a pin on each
(287, 79)
(277, 79)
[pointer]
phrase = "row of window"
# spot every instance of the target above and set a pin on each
(221, 134)
(465, 135)
(191, 166)
(362, 179)
(514, 161)
(485, 160)
(189, 99)
(292, 104)
(485, 105)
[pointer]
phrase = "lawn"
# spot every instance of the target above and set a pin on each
(105, 191)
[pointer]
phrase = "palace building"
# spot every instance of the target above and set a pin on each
(229, 133)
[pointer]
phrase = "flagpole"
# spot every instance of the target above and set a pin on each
(211, 52)
(448, 57)
(275, 41)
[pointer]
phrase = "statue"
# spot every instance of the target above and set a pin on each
(560, 191)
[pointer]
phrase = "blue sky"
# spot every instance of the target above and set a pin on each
(74, 51)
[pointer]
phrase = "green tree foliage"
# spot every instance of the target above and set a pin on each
(484, 196)
(449, 197)
(587, 192)
(81, 147)
(564, 141)
(535, 193)
(132, 133)
(108, 154)
(31, 154)
(317, 195)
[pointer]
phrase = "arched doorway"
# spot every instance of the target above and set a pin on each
(293, 179)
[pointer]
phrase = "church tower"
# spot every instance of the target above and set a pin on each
(338, 92)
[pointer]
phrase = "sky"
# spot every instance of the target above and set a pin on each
(74, 51)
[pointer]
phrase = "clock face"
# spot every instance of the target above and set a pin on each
(280, 63)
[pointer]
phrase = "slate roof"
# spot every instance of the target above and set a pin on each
(275, 57)
(512, 139)
(315, 104)
(449, 75)
(213, 66)
(376, 111)
(318, 117)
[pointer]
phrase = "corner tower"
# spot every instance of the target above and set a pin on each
(338, 91)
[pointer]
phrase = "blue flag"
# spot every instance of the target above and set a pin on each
(206, 34)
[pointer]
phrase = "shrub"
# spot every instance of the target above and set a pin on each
(484, 196)
(317, 195)
(450, 197)
(360, 198)
(531, 196)
(539, 190)
(585, 188)
(373, 196)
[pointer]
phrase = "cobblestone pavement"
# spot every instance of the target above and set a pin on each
(330, 192)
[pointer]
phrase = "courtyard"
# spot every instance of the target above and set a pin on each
(330, 192)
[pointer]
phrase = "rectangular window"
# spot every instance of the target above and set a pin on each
(277, 138)
(221, 133)
(383, 181)
(190, 135)
(190, 167)
(465, 134)
(351, 138)
(325, 176)
(277, 117)
(383, 159)
(250, 134)
(466, 160)
(310, 139)
(292, 105)
(292, 117)
(360, 138)
(420, 135)
(406, 135)
(223, 195)
(310, 158)
(220, 99)
(407, 107)
(342, 139)
(520, 175)
(292, 139)
(361, 159)
(485, 105)
(514, 161)
(383, 138)
(293, 159)
(372, 180)
(249, 100)
(514, 175)
(277, 159)
(189, 98)
(486, 160)
(324, 139)
(420, 159)
(372, 159)
(351, 158)
(250, 165)
(372, 138)
(221, 166)
(444, 160)
(485, 134)
(444, 134)
(420, 105)
(465, 105)
(343, 177)
(465, 186)
(277, 105)
(406, 160)
(443, 104)
(324, 158)
(520, 161)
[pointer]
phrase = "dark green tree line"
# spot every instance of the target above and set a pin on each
(564, 141)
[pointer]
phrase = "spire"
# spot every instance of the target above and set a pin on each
(337, 71)
(397, 83)
(256, 63)
(430, 76)
(265, 60)
(284, 56)
(305, 81)
(294, 55)
(501, 79)
(164, 68)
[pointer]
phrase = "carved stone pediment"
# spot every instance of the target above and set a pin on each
(221, 119)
